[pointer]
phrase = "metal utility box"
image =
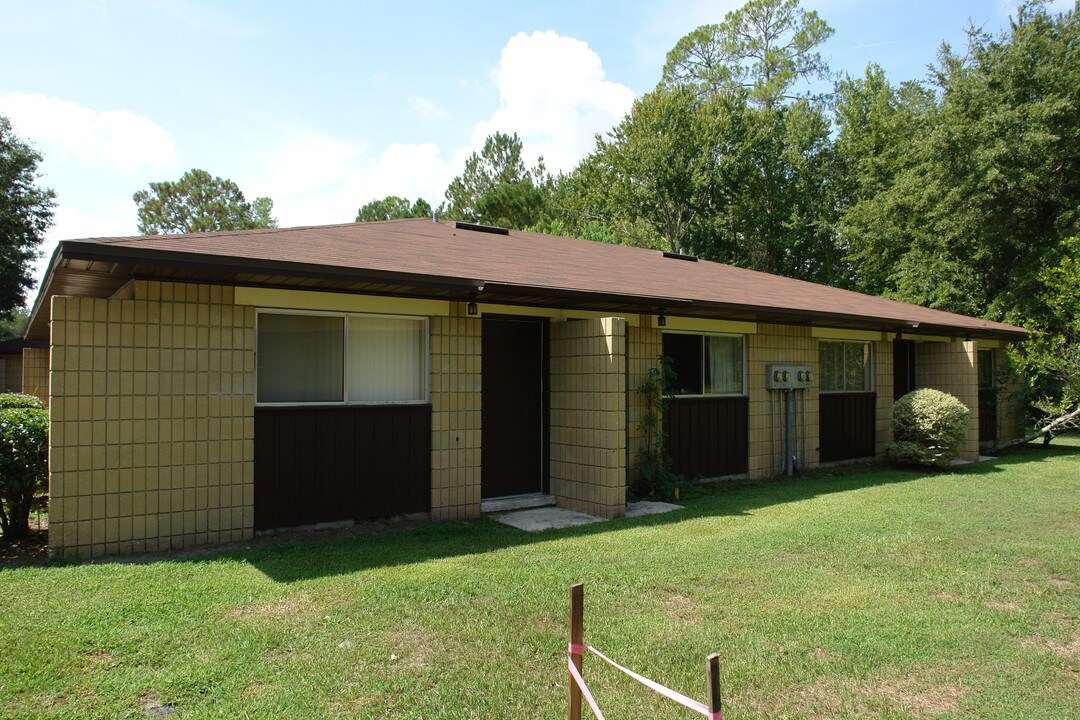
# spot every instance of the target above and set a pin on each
(787, 377)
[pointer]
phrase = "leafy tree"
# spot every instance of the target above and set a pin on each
(717, 178)
(393, 207)
(198, 202)
(764, 48)
(26, 212)
(967, 190)
(14, 324)
(651, 179)
(880, 128)
(499, 163)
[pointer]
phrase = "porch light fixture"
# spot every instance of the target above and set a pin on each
(899, 336)
(661, 320)
(472, 308)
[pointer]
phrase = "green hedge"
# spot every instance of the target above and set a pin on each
(24, 447)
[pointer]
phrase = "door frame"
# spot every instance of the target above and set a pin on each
(543, 324)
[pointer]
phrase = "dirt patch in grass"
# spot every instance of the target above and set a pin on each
(414, 648)
(680, 608)
(1003, 606)
(1060, 582)
(297, 606)
(1070, 649)
(831, 697)
(928, 701)
(946, 597)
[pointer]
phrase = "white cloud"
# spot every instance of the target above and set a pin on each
(116, 137)
(426, 108)
(320, 179)
(554, 94)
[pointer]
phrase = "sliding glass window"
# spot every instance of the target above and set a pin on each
(337, 358)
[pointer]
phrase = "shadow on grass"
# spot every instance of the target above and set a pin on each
(317, 556)
(300, 561)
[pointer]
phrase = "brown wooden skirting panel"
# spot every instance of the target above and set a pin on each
(988, 415)
(847, 425)
(708, 437)
(324, 464)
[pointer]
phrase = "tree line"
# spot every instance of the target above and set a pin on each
(959, 192)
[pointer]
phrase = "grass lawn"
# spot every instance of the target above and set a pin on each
(866, 594)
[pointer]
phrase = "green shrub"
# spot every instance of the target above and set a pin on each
(24, 443)
(655, 478)
(19, 400)
(929, 427)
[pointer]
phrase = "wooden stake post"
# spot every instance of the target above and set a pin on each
(577, 633)
(712, 665)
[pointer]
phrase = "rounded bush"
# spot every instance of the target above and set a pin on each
(929, 427)
(19, 400)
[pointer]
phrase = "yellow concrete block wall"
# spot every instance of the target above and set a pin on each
(152, 421)
(953, 367)
(644, 346)
(11, 373)
(455, 415)
(35, 373)
(588, 415)
(779, 344)
(883, 386)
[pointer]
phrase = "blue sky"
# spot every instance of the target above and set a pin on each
(324, 106)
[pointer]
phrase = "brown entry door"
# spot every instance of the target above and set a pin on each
(512, 455)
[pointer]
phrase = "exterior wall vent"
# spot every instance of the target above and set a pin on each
(680, 256)
(481, 228)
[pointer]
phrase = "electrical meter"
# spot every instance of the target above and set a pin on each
(787, 377)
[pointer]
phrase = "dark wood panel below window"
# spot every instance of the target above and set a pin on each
(847, 425)
(708, 437)
(331, 463)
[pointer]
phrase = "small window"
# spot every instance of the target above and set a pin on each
(705, 364)
(335, 358)
(845, 366)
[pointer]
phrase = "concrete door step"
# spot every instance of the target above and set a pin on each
(516, 502)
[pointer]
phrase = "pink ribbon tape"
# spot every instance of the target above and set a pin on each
(656, 687)
(584, 689)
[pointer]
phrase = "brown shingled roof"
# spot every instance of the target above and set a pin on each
(449, 260)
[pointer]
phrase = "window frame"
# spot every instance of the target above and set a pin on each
(870, 375)
(425, 360)
(703, 335)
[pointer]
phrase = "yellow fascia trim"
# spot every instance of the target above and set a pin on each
(930, 338)
(552, 313)
(706, 325)
(825, 333)
(339, 302)
(989, 344)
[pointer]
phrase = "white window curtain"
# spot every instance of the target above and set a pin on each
(300, 358)
(723, 365)
(386, 360)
